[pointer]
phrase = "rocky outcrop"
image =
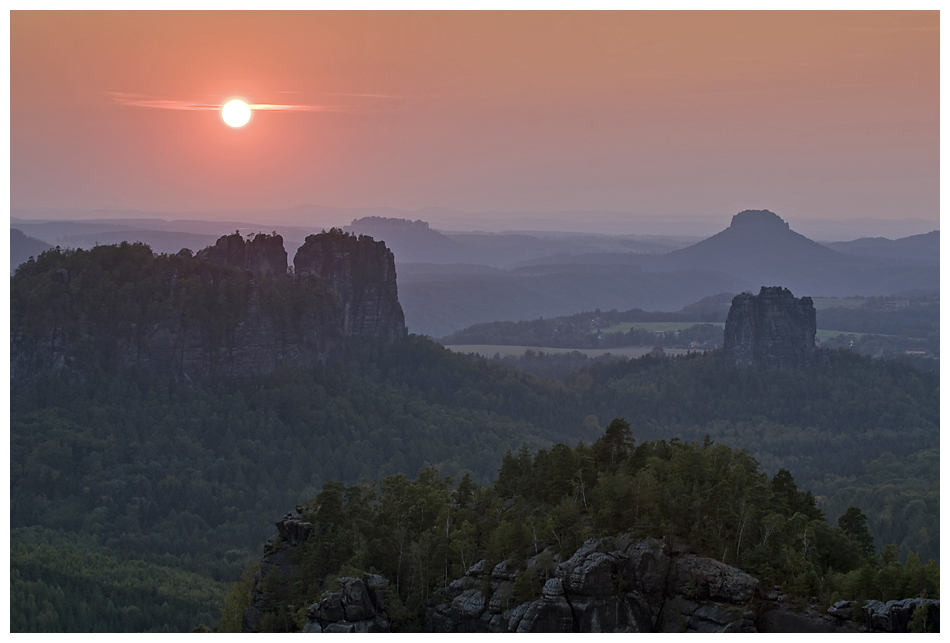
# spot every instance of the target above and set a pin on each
(358, 607)
(772, 329)
(608, 585)
(362, 274)
(230, 310)
(263, 255)
(292, 532)
(896, 616)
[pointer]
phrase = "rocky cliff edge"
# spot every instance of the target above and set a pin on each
(232, 309)
(618, 584)
(772, 329)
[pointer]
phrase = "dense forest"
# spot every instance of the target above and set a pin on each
(191, 478)
(703, 498)
(137, 477)
(917, 317)
(586, 330)
(878, 326)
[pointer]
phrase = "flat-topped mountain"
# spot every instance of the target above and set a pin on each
(757, 242)
(412, 241)
(761, 248)
(232, 309)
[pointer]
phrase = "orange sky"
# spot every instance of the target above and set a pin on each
(808, 114)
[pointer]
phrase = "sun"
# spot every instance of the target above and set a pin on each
(236, 113)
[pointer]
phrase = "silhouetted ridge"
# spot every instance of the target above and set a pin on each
(231, 310)
(261, 255)
(758, 218)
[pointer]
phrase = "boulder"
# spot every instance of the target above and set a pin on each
(329, 609)
(895, 616)
(292, 529)
(589, 572)
(704, 578)
(842, 610)
(549, 614)
(470, 604)
(646, 572)
(355, 599)
(709, 619)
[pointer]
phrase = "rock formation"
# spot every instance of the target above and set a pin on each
(263, 255)
(772, 329)
(230, 310)
(608, 585)
(362, 273)
(895, 616)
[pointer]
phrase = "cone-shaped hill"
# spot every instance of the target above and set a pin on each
(761, 248)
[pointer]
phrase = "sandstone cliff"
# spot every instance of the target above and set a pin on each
(232, 309)
(772, 329)
(263, 255)
(362, 273)
(608, 585)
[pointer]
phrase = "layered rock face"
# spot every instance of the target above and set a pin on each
(264, 255)
(772, 329)
(362, 273)
(231, 310)
(608, 585)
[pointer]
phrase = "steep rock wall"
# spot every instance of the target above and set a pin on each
(608, 585)
(362, 273)
(772, 329)
(263, 255)
(231, 310)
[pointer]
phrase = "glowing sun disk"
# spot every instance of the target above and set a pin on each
(236, 113)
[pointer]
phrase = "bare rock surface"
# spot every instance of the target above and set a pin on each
(608, 585)
(361, 272)
(772, 329)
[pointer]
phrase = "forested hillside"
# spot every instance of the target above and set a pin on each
(193, 477)
(871, 326)
(706, 499)
(114, 468)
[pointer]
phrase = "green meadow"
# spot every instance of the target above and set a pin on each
(822, 303)
(624, 327)
(489, 350)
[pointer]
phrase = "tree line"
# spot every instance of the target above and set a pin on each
(701, 497)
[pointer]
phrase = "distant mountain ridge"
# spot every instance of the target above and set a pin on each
(917, 248)
(526, 276)
(762, 249)
(315, 217)
(411, 241)
(758, 249)
(22, 247)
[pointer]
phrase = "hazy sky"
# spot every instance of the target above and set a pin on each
(809, 114)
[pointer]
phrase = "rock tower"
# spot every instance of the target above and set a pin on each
(772, 329)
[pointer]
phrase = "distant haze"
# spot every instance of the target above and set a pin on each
(613, 122)
(695, 226)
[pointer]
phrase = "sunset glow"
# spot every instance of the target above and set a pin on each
(812, 114)
(236, 113)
